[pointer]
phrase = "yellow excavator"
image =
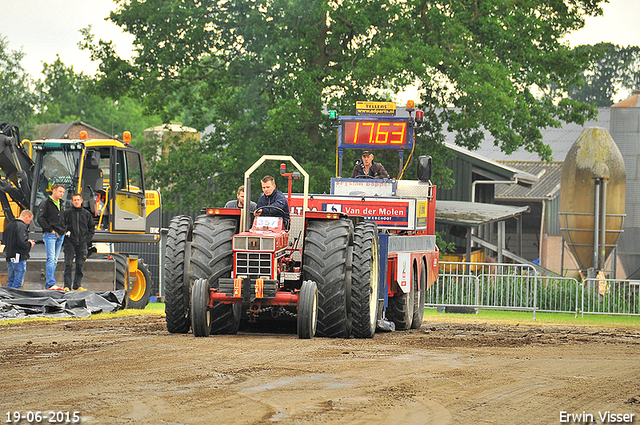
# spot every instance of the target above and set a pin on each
(109, 175)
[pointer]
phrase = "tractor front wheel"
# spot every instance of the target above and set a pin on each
(418, 306)
(400, 310)
(307, 310)
(200, 315)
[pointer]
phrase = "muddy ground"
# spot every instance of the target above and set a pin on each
(131, 371)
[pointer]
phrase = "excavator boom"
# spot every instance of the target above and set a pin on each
(17, 167)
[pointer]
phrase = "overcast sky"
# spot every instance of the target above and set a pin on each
(44, 28)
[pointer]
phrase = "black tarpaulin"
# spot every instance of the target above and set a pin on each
(18, 303)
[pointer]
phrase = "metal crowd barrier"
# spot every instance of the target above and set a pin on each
(505, 286)
(610, 296)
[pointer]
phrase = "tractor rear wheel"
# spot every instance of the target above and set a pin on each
(365, 285)
(177, 299)
(211, 259)
(327, 261)
(418, 306)
(308, 310)
(200, 315)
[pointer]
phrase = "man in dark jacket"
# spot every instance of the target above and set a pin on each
(273, 202)
(17, 246)
(369, 168)
(53, 230)
(80, 231)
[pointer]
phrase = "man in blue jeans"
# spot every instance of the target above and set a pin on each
(17, 247)
(53, 230)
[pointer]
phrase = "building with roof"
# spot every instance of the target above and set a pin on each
(165, 135)
(468, 210)
(625, 131)
(70, 130)
(559, 140)
(540, 235)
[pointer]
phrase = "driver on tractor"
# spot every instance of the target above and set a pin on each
(273, 202)
(368, 168)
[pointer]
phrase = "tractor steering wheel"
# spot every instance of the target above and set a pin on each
(272, 207)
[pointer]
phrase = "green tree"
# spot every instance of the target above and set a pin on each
(17, 100)
(181, 156)
(612, 69)
(262, 71)
(64, 96)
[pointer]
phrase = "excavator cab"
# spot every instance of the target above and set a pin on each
(55, 163)
(118, 203)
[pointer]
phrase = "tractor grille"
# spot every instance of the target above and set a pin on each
(253, 264)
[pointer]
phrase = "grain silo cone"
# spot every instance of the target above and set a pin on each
(592, 197)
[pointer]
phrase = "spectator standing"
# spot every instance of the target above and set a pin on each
(17, 247)
(53, 230)
(80, 230)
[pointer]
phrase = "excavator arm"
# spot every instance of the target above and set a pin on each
(17, 167)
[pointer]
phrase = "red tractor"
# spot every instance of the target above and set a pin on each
(218, 270)
(354, 260)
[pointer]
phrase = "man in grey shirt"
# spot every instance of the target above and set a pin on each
(239, 203)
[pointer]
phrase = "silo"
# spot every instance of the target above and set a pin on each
(625, 130)
(592, 197)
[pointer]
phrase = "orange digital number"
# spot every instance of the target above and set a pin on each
(355, 135)
(385, 134)
(401, 133)
(371, 130)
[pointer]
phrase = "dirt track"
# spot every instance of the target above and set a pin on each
(132, 371)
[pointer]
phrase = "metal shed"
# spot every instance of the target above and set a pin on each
(470, 215)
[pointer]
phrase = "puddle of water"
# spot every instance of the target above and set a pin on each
(331, 383)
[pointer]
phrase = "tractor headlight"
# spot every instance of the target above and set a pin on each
(239, 243)
(268, 244)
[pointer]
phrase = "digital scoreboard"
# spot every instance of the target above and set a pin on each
(375, 133)
(382, 134)
(376, 126)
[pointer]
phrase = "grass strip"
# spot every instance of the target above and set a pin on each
(526, 318)
(430, 315)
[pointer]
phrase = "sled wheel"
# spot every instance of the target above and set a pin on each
(139, 289)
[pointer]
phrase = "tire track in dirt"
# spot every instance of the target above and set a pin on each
(131, 370)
